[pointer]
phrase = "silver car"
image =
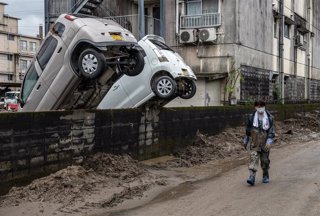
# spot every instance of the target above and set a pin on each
(164, 77)
(78, 58)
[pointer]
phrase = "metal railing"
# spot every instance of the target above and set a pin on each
(130, 22)
(199, 21)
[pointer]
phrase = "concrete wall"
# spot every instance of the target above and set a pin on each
(33, 144)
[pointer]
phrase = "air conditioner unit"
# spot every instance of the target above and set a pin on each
(207, 35)
(299, 40)
(188, 36)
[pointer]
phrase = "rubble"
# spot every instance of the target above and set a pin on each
(229, 143)
(105, 180)
(76, 183)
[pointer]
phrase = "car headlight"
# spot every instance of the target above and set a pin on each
(161, 57)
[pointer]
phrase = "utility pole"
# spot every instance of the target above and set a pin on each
(142, 29)
(281, 30)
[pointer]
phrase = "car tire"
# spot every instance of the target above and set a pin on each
(188, 90)
(91, 63)
(164, 87)
(135, 63)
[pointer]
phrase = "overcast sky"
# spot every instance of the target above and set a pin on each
(31, 13)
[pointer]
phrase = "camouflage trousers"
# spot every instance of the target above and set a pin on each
(258, 152)
(261, 156)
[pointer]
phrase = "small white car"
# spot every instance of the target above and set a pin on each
(164, 77)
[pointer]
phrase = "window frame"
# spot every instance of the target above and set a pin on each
(284, 30)
(275, 28)
(10, 37)
(192, 2)
(10, 57)
(46, 51)
(10, 77)
(32, 46)
(23, 70)
(22, 43)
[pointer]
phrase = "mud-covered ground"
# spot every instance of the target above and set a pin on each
(104, 181)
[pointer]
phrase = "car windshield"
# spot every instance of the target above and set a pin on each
(11, 95)
(29, 82)
(46, 51)
(160, 45)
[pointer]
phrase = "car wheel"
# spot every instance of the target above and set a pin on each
(164, 87)
(91, 63)
(188, 90)
(135, 63)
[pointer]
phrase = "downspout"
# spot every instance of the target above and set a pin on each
(310, 15)
(177, 18)
(142, 29)
(162, 18)
(281, 29)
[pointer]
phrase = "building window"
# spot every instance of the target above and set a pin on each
(23, 65)
(210, 6)
(21, 76)
(10, 77)
(23, 45)
(194, 7)
(32, 46)
(10, 37)
(10, 57)
(286, 31)
(275, 28)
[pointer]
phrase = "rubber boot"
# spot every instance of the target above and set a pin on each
(252, 177)
(251, 180)
(265, 178)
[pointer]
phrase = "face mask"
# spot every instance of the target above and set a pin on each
(261, 109)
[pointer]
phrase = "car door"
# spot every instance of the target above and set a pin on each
(138, 87)
(51, 58)
(116, 98)
(33, 88)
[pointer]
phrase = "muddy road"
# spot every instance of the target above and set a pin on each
(207, 178)
(294, 189)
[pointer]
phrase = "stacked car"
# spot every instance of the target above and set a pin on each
(95, 63)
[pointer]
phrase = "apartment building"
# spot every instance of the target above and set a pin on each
(240, 50)
(16, 51)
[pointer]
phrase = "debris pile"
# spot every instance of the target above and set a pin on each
(206, 148)
(121, 167)
(125, 178)
(229, 143)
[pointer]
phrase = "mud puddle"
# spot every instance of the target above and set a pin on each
(187, 187)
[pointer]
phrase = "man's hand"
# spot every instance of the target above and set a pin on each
(268, 144)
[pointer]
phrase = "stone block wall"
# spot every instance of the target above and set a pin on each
(35, 144)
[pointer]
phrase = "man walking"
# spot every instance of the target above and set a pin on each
(260, 132)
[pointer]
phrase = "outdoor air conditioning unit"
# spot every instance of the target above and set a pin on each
(207, 35)
(188, 36)
(299, 40)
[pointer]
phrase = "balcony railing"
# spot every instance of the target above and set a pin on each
(200, 21)
(130, 22)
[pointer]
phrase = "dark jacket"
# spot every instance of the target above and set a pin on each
(270, 132)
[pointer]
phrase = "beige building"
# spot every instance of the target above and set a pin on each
(240, 49)
(16, 51)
